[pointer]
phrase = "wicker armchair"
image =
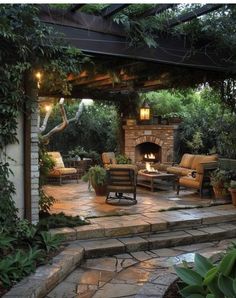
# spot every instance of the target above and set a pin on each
(60, 172)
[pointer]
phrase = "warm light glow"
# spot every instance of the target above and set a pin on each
(149, 156)
(38, 75)
(48, 108)
(145, 113)
(149, 168)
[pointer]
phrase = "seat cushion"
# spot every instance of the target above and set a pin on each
(186, 161)
(62, 171)
(203, 158)
(179, 171)
(56, 157)
(108, 158)
(189, 181)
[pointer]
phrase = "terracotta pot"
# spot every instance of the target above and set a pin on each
(220, 192)
(100, 190)
(233, 195)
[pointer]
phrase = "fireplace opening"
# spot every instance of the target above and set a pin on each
(147, 152)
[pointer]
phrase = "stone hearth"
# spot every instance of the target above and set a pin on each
(160, 135)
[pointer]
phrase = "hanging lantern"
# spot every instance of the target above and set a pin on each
(145, 111)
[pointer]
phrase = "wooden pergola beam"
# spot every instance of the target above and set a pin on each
(193, 14)
(75, 7)
(155, 10)
(112, 9)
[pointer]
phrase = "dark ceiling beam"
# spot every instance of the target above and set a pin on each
(80, 20)
(75, 7)
(171, 50)
(155, 10)
(193, 14)
(112, 9)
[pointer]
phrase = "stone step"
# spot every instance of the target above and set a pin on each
(47, 277)
(107, 247)
(148, 223)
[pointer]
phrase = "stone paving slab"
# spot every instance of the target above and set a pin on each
(152, 222)
(104, 247)
(46, 277)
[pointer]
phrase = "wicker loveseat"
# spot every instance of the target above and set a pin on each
(193, 170)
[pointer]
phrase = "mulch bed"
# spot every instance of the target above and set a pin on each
(172, 291)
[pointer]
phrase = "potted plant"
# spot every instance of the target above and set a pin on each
(96, 176)
(232, 190)
(220, 182)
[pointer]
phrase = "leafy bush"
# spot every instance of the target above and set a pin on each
(123, 159)
(48, 241)
(8, 211)
(209, 280)
(96, 176)
(221, 178)
(45, 202)
(60, 220)
(5, 241)
(14, 267)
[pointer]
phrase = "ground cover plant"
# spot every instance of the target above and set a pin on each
(208, 280)
(23, 248)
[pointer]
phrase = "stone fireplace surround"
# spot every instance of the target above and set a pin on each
(161, 135)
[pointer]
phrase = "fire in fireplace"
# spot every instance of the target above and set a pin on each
(147, 152)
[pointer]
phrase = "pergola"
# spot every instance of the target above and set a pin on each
(138, 68)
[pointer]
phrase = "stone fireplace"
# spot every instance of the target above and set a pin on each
(149, 142)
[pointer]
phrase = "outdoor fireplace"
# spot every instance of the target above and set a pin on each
(147, 152)
(143, 140)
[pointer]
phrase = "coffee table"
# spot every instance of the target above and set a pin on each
(150, 179)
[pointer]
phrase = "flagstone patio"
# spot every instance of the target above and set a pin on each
(76, 199)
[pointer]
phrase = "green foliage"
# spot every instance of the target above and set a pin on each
(6, 241)
(14, 267)
(196, 144)
(206, 279)
(48, 241)
(207, 126)
(96, 130)
(221, 178)
(96, 176)
(45, 201)
(60, 220)
(123, 159)
(46, 163)
(8, 211)
(164, 103)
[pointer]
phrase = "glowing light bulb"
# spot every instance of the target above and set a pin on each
(48, 108)
(38, 75)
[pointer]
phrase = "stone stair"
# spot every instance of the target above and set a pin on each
(199, 222)
(110, 236)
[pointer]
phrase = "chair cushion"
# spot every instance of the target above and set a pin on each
(56, 157)
(108, 158)
(62, 171)
(179, 171)
(189, 181)
(202, 158)
(186, 161)
(124, 166)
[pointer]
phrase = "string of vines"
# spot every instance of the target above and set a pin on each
(26, 46)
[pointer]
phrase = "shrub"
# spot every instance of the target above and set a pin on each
(209, 280)
(96, 176)
(123, 159)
